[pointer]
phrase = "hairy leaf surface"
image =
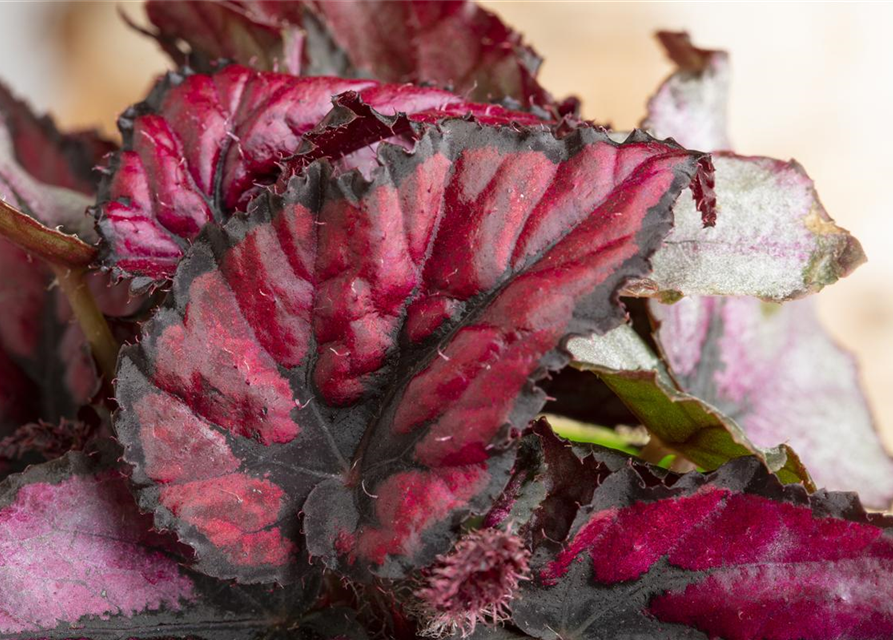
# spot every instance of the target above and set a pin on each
(774, 370)
(784, 380)
(202, 145)
(79, 560)
(731, 554)
(374, 346)
(453, 44)
(774, 239)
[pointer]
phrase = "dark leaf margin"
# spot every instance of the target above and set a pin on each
(344, 509)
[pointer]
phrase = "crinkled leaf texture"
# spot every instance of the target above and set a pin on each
(683, 422)
(731, 554)
(453, 43)
(79, 560)
(202, 145)
(784, 380)
(375, 345)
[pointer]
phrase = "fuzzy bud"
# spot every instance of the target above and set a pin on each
(474, 583)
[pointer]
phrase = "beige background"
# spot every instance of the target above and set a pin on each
(811, 81)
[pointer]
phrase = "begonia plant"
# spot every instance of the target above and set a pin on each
(361, 333)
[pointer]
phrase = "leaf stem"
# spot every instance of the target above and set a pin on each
(68, 256)
(51, 245)
(655, 451)
(93, 324)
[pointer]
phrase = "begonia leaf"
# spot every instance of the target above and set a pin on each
(773, 240)
(67, 160)
(731, 554)
(691, 105)
(372, 345)
(79, 560)
(785, 380)
(453, 44)
(199, 147)
(776, 371)
(351, 132)
(682, 422)
(46, 370)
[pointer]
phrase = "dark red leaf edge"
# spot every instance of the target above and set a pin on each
(732, 554)
(349, 135)
(80, 561)
(254, 472)
(67, 160)
(391, 41)
(201, 146)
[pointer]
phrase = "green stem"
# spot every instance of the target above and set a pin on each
(68, 256)
(93, 324)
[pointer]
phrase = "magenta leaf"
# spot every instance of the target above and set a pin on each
(371, 344)
(79, 560)
(202, 145)
(453, 44)
(731, 554)
(785, 380)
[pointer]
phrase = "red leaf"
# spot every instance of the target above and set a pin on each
(78, 555)
(65, 160)
(390, 41)
(198, 148)
(730, 554)
(375, 345)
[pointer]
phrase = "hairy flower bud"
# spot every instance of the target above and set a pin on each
(473, 583)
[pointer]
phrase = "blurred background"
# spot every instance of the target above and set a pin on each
(810, 81)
